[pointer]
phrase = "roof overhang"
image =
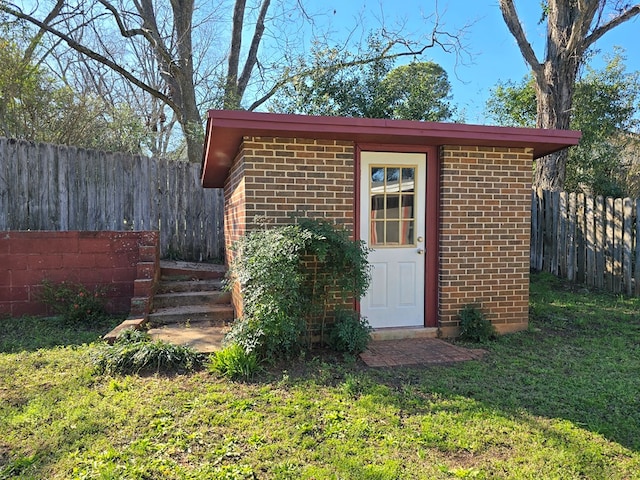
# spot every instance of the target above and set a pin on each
(226, 128)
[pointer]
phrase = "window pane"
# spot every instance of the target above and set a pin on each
(408, 174)
(393, 180)
(377, 179)
(393, 206)
(407, 233)
(407, 206)
(377, 233)
(377, 206)
(393, 232)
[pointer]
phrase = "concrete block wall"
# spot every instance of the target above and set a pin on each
(125, 263)
(485, 215)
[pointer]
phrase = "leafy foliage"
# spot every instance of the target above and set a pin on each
(350, 332)
(234, 362)
(474, 326)
(36, 106)
(74, 302)
(135, 352)
(288, 276)
(416, 91)
(605, 105)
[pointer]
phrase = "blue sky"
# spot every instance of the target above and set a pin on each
(494, 54)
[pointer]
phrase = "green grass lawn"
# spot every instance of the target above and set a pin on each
(561, 400)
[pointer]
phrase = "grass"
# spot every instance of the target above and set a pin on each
(561, 400)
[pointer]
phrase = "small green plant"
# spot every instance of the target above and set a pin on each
(350, 332)
(135, 352)
(234, 362)
(74, 302)
(474, 326)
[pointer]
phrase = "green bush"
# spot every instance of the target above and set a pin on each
(134, 352)
(289, 276)
(234, 362)
(350, 332)
(74, 302)
(474, 326)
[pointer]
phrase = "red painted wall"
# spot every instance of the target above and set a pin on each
(124, 262)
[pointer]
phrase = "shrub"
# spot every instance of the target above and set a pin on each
(74, 302)
(234, 362)
(350, 333)
(284, 291)
(474, 326)
(135, 352)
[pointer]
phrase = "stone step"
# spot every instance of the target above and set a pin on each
(190, 286)
(182, 299)
(204, 339)
(182, 271)
(212, 315)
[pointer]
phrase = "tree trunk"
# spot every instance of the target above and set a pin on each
(554, 93)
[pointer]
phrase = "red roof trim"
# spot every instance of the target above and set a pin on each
(226, 128)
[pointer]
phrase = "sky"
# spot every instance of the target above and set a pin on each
(492, 54)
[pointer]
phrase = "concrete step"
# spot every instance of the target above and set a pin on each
(182, 299)
(190, 286)
(212, 315)
(403, 333)
(182, 271)
(204, 339)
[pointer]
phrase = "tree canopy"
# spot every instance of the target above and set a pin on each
(377, 89)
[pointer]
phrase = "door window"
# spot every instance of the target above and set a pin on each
(392, 196)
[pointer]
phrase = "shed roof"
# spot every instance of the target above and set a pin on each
(226, 128)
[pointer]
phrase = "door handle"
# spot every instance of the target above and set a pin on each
(420, 251)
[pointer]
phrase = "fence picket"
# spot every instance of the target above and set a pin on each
(617, 249)
(590, 244)
(50, 187)
(599, 215)
(571, 237)
(627, 246)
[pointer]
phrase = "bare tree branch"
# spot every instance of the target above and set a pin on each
(515, 27)
(90, 53)
(252, 56)
(600, 31)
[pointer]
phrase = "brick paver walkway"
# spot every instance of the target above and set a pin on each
(418, 351)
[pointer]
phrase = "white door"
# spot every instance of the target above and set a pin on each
(392, 223)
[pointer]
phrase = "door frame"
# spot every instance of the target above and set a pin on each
(432, 217)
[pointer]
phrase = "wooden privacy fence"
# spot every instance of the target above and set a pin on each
(51, 187)
(592, 240)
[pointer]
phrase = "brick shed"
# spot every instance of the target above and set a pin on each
(445, 207)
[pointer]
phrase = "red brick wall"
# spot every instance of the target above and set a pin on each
(484, 235)
(124, 262)
(300, 177)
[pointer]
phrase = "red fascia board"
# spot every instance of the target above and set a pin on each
(226, 128)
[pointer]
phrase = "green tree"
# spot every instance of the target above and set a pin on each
(606, 104)
(34, 106)
(416, 91)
